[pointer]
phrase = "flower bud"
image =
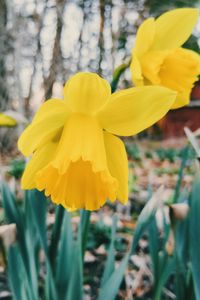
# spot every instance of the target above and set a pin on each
(179, 211)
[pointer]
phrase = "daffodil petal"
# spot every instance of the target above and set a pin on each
(47, 123)
(136, 71)
(131, 111)
(173, 28)
(6, 120)
(117, 164)
(143, 42)
(40, 159)
(145, 37)
(182, 99)
(86, 92)
(48, 108)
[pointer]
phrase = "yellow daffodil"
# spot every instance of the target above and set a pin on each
(6, 120)
(158, 58)
(76, 157)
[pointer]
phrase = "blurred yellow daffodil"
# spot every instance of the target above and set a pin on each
(7, 120)
(158, 58)
(76, 157)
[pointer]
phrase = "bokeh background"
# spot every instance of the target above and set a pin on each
(43, 43)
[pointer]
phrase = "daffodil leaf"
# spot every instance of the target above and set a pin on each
(110, 288)
(56, 234)
(64, 262)
(75, 287)
(38, 203)
(25, 240)
(17, 275)
(84, 226)
(192, 139)
(195, 235)
(110, 263)
(146, 216)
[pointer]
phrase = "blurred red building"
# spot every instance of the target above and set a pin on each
(174, 122)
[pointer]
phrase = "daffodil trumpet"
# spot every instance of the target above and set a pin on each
(77, 159)
(159, 59)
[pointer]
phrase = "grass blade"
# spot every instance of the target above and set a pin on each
(110, 263)
(12, 212)
(110, 288)
(195, 235)
(168, 267)
(75, 287)
(55, 237)
(17, 275)
(84, 224)
(14, 215)
(38, 204)
(146, 216)
(153, 238)
(64, 265)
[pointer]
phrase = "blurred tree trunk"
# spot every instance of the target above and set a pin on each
(82, 6)
(101, 31)
(3, 85)
(49, 81)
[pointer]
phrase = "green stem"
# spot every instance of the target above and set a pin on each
(56, 234)
(117, 74)
(181, 173)
(84, 226)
